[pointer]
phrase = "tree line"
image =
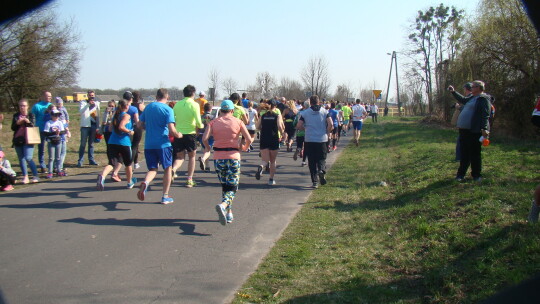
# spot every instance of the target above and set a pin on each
(498, 45)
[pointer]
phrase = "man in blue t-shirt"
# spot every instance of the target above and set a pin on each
(245, 100)
(39, 112)
(334, 114)
(158, 121)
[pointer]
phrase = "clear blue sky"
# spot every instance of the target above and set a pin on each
(147, 43)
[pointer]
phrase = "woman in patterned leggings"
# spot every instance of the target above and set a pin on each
(226, 130)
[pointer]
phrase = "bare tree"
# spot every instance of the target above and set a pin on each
(266, 84)
(290, 88)
(37, 53)
(315, 76)
(213, 78)
(229, 86)
(343, 92)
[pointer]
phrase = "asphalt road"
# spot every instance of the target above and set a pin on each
(64, 242)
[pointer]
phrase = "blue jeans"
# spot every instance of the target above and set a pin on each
(25, 153)
(87, 135)
(41, 150)
(63, 154)
(54, 156)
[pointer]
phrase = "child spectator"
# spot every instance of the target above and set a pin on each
(7, 175)
(64, 118)
(55, 135)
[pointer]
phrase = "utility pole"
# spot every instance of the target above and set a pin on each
(392, 60)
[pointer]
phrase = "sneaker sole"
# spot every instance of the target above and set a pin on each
(142, 192)
(221, 214)
(201, 164)
(166, 202)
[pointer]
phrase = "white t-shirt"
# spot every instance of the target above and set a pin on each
(374, 109)
(358, 112)
(251, 119)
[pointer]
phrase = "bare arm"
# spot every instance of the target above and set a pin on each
(123, 123)
(173, 132)
(206, 136)
(281, 125)
(247, 136)
(329, 125)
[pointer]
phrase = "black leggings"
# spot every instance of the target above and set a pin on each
(137, 136)
(316, 154)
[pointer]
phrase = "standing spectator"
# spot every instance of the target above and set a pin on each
(318, 124)
(158, 121)
(201, 101)
(89, 110)
(472, 123)
(138, 103)
(188, 118)
(64, 118)
(226, 130)
(535, 207)
(385, 110)
(22, 120)
(39, 113)
(7, 175)
(467, 89)
(358, 115)
(374, 112)
(55, 134)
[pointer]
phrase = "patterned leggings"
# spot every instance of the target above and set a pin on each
(228, 172)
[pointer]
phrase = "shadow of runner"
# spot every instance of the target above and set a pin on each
(187, 229)
(109, 206)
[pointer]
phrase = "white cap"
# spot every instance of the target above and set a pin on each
(201, 93)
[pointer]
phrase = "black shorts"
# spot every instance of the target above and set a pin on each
(270, 144)
(290, 130)
(118, 153)
(188, 143)
(335, 130)
(252, 132)
(300, 142)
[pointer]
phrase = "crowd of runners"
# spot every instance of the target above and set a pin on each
(175, 131)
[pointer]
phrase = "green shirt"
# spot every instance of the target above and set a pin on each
(187, 116)
(239, 112)
(346, 112)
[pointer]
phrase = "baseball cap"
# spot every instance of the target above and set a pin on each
(59, 100)
(227, 105)
(468, 86)
(127, 95)
(201, 93)
(272, 102)
(55, 112)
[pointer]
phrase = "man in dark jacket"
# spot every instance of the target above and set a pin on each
(472, 124)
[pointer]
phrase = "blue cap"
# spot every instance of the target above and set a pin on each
(227, 105)
(272, 102)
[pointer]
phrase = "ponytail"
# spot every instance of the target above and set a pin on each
(116, 118)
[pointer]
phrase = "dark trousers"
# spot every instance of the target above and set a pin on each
(471, 153)
(137, 136)
(316, 155)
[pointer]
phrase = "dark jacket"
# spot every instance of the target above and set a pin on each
(15, 127)
(480, 119)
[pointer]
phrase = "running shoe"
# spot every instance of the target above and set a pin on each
(49, 176)
(229, 217)
(207, 169)
(271, 182)
(201, 164)
(315, 185)
(259, 172)
(221, 213)
(295, 156)
(25, 180)
(303, 164)
(116, 178)
(35, 179)
(62, 173)
(100, 183)
(93, 163)
(175, 175)
(142, 191)
(251, 147)
(356, 142)
(133, 182)
(10, 187)
(137, 166)
(460, 179)
(322, 178)
(167, 200)
(190, 183)
(335, 147)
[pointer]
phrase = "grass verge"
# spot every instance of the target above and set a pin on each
(423, 238)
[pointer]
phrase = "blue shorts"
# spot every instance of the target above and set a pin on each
(357, 125)
(154, 157)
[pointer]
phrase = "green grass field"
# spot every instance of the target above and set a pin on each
(424, 238)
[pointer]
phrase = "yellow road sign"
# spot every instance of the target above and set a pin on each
(377, 93)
